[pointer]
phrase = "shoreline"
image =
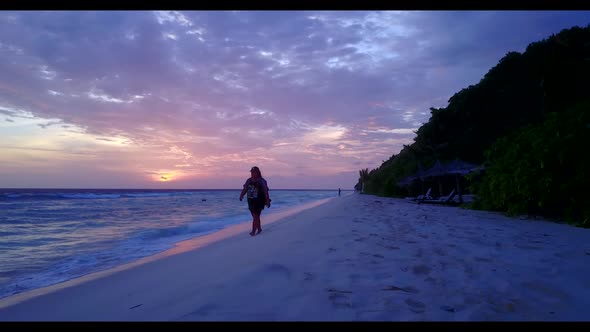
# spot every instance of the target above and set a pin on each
(351, 258)
(178, 248)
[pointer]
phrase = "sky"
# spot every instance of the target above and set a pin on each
(194, 99)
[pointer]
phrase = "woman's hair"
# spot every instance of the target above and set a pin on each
(256, 170)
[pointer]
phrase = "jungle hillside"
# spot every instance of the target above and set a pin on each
(527, 123)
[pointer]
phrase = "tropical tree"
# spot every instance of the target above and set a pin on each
(363, 178)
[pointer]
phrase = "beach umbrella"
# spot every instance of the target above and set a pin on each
(436, 170)
(460, 167)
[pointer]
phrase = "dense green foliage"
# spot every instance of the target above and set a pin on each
(542, 169)
(525, 121)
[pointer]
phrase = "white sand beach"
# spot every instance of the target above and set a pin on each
(353, 258)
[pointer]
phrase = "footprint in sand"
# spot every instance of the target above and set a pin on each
(277, 269)
(204, 310)
(482, 259)
(340, 298)
(415, 306)
(439, 251)
(526, 247)
(448, 308)
(421, 269)
(407, 289)
(545, 288)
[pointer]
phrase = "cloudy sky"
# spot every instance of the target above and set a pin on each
(141, 99)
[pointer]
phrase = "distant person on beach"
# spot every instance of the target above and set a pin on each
(338, 191)
(257, 190)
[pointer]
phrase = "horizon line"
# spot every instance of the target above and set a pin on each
(169, 189)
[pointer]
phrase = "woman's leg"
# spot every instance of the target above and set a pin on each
(256, 222)
(253, 221)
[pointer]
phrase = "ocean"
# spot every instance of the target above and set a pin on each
(49, 236)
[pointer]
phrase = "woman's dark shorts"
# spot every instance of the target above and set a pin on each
(256, 205)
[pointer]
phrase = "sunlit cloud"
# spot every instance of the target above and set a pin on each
(172, 17)
(47, 74)
(104, 97)
(325, 134)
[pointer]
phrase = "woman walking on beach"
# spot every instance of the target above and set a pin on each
(257, 190)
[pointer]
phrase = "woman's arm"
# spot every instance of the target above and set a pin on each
(244, 190)
(266, 195)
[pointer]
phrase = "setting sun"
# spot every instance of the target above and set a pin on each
(164, 176)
